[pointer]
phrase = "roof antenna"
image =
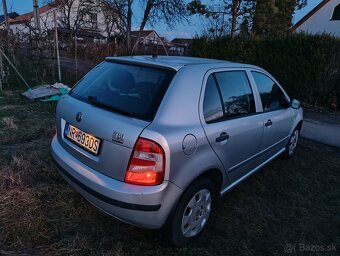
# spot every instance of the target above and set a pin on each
(154, 53)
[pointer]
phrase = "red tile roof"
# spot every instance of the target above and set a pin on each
(144, 33)
(24, 18)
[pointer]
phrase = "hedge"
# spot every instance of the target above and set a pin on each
(308, 66)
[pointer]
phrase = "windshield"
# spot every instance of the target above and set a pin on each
(127, 89)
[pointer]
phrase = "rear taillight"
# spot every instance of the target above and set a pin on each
(147, 163)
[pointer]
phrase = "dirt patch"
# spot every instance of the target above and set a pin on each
(9, 122)
(10, 179)
(9, 93)
(21, 218)
(9, 107)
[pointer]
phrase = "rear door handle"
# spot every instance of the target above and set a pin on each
(223, 136)
(269, 123)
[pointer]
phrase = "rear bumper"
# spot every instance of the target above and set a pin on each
(143, 206)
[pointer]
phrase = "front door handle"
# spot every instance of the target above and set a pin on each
(269, 123)
(223, 136)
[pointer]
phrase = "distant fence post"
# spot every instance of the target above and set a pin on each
(116, 47)
(2, 73)
(76, 54)
(57, 44)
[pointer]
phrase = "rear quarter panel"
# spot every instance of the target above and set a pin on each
(178, 116)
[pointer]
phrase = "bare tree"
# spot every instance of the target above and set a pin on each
(122, 9)
(169, 11)
(111, 19)
(223, 13)
(75, 14)
(154, 11)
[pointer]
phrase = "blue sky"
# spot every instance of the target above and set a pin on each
(181, 30)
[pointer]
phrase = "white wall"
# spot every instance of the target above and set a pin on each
(19, 28)
(101, 28)
(47, 19)
(321, 21)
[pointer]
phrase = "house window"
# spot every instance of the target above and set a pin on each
(89, 20)
(336, 13)
(93, 20)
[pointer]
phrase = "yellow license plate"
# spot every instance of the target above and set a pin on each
(83, 139)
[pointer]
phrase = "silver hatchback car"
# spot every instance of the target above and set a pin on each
(155, 141)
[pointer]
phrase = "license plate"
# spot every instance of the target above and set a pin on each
(83, 139)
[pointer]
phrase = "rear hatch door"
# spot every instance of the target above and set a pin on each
(110, 106)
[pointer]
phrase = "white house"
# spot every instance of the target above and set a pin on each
(324, 18)
(147, 37)
(11, 15)
(86, 17)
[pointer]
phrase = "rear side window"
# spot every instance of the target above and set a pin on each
(128, 89)
(272, 96)
(212, 105)
(227, 94)
(238, 98)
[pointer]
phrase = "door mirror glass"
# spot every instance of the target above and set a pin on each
(295, 104)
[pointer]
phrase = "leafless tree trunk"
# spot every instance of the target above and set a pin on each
(234, 15)
(129, 25)
(1, 72)
(5, 14)
(111, 19)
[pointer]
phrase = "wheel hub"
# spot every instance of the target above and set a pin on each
(293, 142)
(196, 213)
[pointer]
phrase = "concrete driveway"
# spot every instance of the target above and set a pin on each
(321, 127)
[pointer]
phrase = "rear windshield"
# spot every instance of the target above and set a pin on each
(127, 89)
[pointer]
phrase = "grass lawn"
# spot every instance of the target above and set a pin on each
(289, 202)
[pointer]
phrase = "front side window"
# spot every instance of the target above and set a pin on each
(238, 98)
(336, 13)
(272, 96)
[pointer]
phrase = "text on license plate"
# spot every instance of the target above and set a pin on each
(83, 139)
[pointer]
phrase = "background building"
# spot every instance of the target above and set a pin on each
(324, 18)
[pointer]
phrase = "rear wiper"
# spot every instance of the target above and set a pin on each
(93, 100)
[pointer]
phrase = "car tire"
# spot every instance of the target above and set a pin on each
(292, 144)
(191, 214)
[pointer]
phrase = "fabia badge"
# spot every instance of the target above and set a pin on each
(79, 116)
(118, 137)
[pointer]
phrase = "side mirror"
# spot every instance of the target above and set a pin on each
(295, 104)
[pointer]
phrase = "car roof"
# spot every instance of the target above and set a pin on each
(175, 62)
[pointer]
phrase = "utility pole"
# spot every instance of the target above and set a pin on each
(5, 14)
(36, 15)
(57, 44)
(76, 53)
